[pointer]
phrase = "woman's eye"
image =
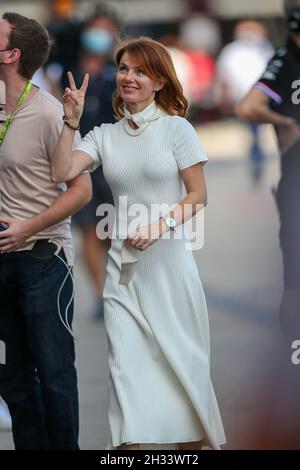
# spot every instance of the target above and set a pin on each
(122, 69)
(140, 72)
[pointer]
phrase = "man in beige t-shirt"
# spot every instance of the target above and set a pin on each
(38, 380)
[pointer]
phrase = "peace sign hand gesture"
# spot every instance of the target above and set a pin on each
(73, 99)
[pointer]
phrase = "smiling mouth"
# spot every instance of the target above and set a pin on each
(129, 88)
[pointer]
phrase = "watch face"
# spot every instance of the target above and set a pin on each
(171, 222)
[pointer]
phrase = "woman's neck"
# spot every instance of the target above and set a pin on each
(132, 124)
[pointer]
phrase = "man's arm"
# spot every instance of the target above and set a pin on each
(255, 108)
(272, 87)
(78, 194)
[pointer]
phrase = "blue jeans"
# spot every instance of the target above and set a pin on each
(38, 380)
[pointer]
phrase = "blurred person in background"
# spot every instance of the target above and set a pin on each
(97, 41)
(239, 66)
(64, 28)
(275, 100)
(181, 61)
(200, 38)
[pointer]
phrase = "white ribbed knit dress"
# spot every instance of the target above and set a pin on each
(160, 389)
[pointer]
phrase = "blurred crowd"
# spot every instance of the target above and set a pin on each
(214, 76)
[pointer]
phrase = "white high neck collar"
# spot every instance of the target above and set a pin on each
(142, 118)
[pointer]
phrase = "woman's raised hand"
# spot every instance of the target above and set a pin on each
(73, 99)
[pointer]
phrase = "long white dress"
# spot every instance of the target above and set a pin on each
(160, 389)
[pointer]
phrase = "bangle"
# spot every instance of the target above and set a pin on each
(66, 121)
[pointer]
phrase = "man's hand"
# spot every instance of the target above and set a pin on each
(18, 231)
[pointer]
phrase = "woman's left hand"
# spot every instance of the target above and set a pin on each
(147, 235)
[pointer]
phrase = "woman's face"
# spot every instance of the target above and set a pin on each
(133, 86)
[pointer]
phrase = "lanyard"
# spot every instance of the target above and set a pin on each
(10, 116)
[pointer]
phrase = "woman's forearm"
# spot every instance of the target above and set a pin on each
(185, 209)
(188, 207)
(62, 159)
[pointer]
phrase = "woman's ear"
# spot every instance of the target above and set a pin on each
(159, 85)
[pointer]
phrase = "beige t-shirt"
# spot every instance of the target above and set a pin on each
(26, 188)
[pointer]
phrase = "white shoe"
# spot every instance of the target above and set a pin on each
(5, 419)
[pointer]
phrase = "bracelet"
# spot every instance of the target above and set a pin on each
(66, 121)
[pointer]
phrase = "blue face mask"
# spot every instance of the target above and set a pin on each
(97, 41)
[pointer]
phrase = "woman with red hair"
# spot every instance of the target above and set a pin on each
(155, 312)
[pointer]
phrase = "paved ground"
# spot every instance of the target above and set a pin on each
(240, 266)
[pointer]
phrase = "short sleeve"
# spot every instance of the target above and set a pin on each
(187, 148)
(273, 81)
(91, 145)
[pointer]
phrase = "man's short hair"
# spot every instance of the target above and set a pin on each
(32, 39)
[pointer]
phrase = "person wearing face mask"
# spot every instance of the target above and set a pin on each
(97, 41)
(239, 66)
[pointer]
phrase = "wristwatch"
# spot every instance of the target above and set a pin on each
(170, 222)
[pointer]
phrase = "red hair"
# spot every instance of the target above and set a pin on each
(157, 64)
